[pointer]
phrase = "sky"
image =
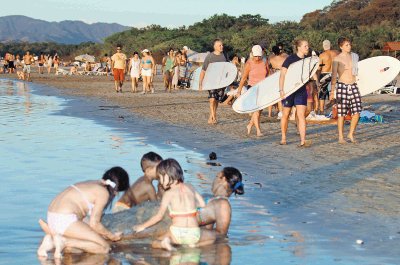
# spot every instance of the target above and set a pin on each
(167, 13)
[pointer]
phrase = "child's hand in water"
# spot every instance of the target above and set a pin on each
(138, 228)
(116, 236)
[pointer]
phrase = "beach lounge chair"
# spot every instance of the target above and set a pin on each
(63, 72)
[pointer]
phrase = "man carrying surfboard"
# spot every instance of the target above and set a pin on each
(347, 94)
(215, 95)
(297, 99)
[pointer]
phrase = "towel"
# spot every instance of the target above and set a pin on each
(354, 58)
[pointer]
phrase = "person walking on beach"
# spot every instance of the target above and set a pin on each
(118, 66)
(169, 64)
(215, 95)
(348, 97)
(134, 70)
(49, 63)
(147, 67)
(56, 63)
(27, 66)
(41, 62)
(276, 60)
(255, 71)
(325, 68)
(297, 99)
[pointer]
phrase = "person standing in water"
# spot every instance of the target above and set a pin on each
(297, 99)
(118, 66)
(28, 58)
(215, 95)
(255, 71)
(348, 97)
(325, 68)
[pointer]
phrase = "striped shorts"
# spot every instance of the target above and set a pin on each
(348, 99)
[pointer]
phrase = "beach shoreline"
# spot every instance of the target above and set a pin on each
(303, 186)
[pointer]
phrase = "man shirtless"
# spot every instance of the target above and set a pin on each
(118, 66)
(348, 97)
(27, 66)
(276, 60)
(325, 68)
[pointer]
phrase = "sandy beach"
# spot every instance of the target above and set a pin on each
(339, 193)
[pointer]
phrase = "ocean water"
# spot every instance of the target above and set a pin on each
(43, 150)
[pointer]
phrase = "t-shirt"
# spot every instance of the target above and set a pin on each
(119, 60)
(213, 58)
(292, 59)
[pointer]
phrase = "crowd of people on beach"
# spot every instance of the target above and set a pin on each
(176, 69)
(74, 215)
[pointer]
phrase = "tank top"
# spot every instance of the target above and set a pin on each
(258, 71)
(169, 64)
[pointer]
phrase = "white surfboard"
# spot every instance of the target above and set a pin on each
(266, 92)
(194, 79)
(376, 72)
(218, 75)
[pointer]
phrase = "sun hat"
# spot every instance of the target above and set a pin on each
(256, 50)
(145, 50)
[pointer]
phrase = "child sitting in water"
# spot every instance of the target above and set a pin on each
(142, 190)
(182, 201)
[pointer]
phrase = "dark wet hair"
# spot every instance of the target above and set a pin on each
(342, 40)
(150, 159)
(106, 54)
(171, 168)
(276, 50)
(135, 52)
(120, 177)
(234, 178)
(119, 46)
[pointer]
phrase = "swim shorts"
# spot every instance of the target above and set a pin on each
(348, 98)
(217, 94)
(297, 98)
(27, 68)
(119, 74)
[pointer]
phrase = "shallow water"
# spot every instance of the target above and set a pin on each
(43, 150)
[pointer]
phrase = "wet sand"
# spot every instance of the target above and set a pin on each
(328, 195)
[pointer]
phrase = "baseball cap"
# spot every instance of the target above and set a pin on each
(185, 48)
(145, 50)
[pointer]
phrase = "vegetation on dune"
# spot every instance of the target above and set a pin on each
(369, 23)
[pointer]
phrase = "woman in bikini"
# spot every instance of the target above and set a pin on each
(65, 228)
(217, 213)
(147, 66)
(181, 200)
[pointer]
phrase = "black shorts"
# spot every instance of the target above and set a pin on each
(218, 94)
(11, 65)
(324, 90)
(348, 98)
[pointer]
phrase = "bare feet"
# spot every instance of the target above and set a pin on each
(47, 245)
(59, 243)
(342, 141)
(166, 244)
(351, 139)
(307, 143)
(248, 129)
(259, 134)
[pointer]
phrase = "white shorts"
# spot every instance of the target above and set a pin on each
(146, 72)
(135, 74)
(27, 68)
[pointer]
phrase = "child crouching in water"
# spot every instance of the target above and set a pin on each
(181, 200)
(142, 190)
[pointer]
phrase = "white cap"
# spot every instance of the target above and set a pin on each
(145, 50)
(326, 44)
(185, 48)
(256, 50)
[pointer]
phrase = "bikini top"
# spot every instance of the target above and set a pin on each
(146, 62)
(89, 205)
(190, 213)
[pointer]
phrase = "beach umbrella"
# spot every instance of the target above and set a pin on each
(85, 58)
(198, 57)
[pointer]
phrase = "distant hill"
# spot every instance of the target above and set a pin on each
(26, 29)
(352, 14)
